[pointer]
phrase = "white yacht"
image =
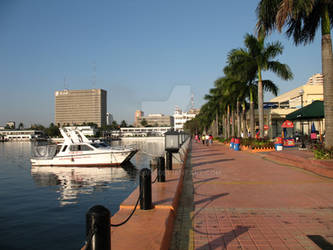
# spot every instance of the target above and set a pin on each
(78, 150)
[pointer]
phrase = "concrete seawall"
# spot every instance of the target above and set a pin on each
(151, 229)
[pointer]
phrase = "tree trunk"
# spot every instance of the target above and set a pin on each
(238, 120)
(244, 122)
(224, 126)
(217, 124)
(228, 122)
(327, 68)
(252, 132)
(233, 122)
(260, 105)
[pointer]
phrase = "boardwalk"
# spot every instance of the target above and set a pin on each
(237, 200)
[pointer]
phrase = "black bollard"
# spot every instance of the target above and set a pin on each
(168, 156)
(98, 228)
(161, 169)
(145, 189)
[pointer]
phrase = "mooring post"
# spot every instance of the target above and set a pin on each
(145, 189)
(168, 156)
(161, 169)
(98, 228)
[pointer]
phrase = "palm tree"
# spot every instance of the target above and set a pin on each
(303, 19)
(256, 58)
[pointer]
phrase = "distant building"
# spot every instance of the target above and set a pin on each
(180, 118)
(156, 120)
(109, 119)
(148, 131)
(77, 107)
(309, 92)
(20, 135)
(276, 110)
(137, 116)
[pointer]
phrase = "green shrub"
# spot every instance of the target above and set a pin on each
(321, 153)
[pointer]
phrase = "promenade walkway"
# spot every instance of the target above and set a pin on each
(238, 200)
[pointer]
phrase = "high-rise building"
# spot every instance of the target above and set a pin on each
(109, 119)
(137, 116)
(77, 107)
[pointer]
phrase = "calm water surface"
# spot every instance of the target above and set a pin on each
(45, 208)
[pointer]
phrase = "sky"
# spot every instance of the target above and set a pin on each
(147, 54)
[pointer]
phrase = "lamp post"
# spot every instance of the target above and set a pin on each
(171, 146)
(301, 93)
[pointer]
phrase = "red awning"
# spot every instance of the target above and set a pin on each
(287, 124)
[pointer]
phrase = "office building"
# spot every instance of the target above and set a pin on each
(156, 120)
(137, 116)
(77, 107)
(180, 117)
(109, 119)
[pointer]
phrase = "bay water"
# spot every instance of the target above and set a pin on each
(45, 207)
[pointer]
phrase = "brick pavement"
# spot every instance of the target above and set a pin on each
(241, 201)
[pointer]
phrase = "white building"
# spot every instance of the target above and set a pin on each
(180, 118)
(20, 135)
(109, 119)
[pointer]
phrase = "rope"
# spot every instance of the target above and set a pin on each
(155, 179)
(122, 223)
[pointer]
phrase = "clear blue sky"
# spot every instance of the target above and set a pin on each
(142, 49)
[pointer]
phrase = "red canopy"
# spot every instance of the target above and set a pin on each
(287, 124)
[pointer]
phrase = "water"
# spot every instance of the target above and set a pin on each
(45, 208)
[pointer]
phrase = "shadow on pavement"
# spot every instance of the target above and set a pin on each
(223, 241)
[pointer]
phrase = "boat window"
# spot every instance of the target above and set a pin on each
(58, 148)
(64, 149)
(100, 145)
(80, 148)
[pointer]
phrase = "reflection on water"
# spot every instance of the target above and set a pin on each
(80, 180)
(52, 202)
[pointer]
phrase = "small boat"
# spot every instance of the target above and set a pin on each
(78, 150)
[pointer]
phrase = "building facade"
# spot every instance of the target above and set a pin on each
(137, 116)
(156, 120)
(180, 118)
(77, 107)
(276, 110)
(109, 119)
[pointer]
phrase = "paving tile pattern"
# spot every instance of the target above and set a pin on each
(242, 201)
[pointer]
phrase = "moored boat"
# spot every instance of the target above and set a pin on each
(78, 150)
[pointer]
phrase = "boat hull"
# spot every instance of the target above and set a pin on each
(87, 160)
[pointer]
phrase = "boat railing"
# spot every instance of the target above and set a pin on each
(128, 146)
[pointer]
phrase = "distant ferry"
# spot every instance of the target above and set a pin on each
(78, 150)
(20, 135)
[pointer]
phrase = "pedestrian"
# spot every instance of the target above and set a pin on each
(203, 139)
(207, 139)
(196, 138)
(210, 139)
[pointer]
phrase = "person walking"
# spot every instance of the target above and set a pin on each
(210, 139)
(203, 139)
(207, 139)
(196, 138)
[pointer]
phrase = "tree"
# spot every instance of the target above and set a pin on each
(52, 130)
(256, 58)
(21, 126)
(303, 19)
(123, 124)
(144, 122)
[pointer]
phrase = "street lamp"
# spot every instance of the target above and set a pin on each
(171, 145)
